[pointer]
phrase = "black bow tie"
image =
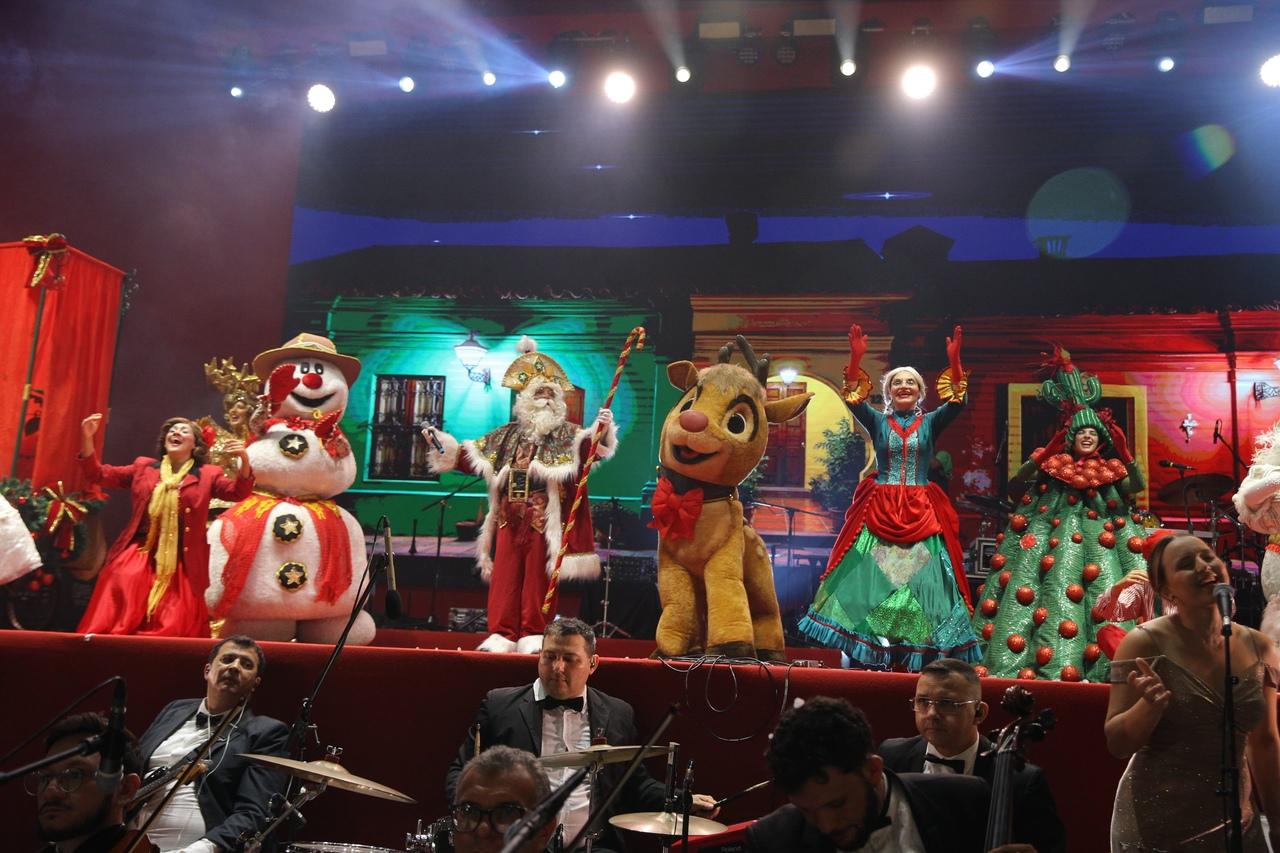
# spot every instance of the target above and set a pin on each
(956, 764)
(550, 703)
(204, 720)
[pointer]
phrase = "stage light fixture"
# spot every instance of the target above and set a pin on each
(848, 68)
(407, 84)
(321, 98)
(1165, 64)
(980, 45)
(619, 87)
(683, 74)
(1062, 64)
(788, 375)
(236, 92)
(919, 82)
(985, 68)
(557, 78)
(489, 78)
(1270, 71)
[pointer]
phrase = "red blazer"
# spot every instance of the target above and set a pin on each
(198, 488)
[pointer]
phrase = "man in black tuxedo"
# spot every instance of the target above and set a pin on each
(559, 713)
(843, 798)
(948, 708)
(230, 800)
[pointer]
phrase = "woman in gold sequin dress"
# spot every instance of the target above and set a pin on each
(1165, 715)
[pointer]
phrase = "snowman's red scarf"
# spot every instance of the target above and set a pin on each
(242, 529)
(330, 434)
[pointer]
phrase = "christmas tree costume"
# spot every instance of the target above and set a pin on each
(894, 592)
(1074, 538)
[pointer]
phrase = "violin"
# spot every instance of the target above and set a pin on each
(134, 841)
(1010, 755)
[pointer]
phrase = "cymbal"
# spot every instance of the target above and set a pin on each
(330, 773)
(1200, 488)
(599, 754)
(666, 823)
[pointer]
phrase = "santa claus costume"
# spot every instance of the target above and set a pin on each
(531, 466)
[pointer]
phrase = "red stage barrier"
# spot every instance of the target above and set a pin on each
(400, 714)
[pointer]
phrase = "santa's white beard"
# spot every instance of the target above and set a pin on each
(538, 416)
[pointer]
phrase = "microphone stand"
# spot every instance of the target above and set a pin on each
(1230, 783)
(605, 628)
(791, 527)
(88, 746)
(443, 503)
(1186, 503)
(521, 832)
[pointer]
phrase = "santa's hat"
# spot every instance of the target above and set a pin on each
(531, 364)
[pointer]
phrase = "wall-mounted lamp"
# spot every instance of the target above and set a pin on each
(470, 353)
(788, 375)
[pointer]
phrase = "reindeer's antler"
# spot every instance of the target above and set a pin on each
(760, 367)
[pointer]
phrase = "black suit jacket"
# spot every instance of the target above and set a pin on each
(233, 795)
(1035, 816)
(509, 716)
(950, 814)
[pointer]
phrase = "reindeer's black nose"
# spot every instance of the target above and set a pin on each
(693, 421)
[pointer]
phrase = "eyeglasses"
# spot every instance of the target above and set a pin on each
(946, 707)
(68, 781)
(467, 816)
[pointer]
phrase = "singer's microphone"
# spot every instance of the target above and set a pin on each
(1225, 596)
(520, 832)
(395, 607)
(110, 767)
(1217, 430)
(430, 433)
(1165, 463)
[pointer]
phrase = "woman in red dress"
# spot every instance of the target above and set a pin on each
(158, 569)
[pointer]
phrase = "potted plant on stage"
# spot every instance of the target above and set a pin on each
(846, 457)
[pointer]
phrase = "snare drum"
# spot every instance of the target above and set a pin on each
(335, 847)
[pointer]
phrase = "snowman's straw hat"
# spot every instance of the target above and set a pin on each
(303, 346)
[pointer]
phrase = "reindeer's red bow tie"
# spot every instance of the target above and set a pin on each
(675, 514)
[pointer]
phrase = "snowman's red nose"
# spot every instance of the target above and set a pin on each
(312, 380)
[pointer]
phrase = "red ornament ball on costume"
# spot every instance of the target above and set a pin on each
(1018, 522)
(1056, 522)
(1040, 614)
(1118, 520)
(1026, 499)
(998, 561)
(1075, 592)
(1112, 503)
(33, 585)
(1077, 538)
(987, 630)
(1135, 545)
(1091, 514)
(1028, 541)
(999, 537)
(1069, 673)
(1016, 643)
(1044, 487)
(46, 579)
(1092, 652)
(1044, 654)
(1042, 508)
(1046, 562)
(1068, 628)
(1097, 615)
(1053, 541)
(1092, 493)
(1027, 673)
(1107, 539)
(1108, 526)
(22, 500)
(981, 588)
(1073, 499)
(1091, 572)
(1004, 578)
(989, 607)
(1079, 481)
(981, 670)
(1026, 595)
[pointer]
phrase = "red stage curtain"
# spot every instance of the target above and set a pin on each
(73, 361)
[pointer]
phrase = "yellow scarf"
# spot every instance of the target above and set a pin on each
(162, 534)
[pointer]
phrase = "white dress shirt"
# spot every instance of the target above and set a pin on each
(901, 835)
(969, 756)
(180, 827)
(564, 730)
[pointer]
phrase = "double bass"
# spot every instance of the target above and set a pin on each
(1010, 756)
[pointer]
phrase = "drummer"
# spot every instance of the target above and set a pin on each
(211, 813)
(559, 713)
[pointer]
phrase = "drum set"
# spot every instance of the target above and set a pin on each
(437, 837)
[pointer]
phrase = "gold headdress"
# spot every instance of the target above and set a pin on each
(530, 364)
(235, 383)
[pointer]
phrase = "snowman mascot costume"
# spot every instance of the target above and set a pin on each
(1258, 502)
(284, 563)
